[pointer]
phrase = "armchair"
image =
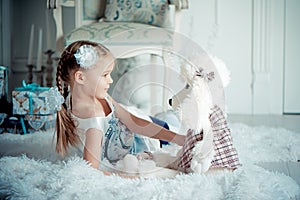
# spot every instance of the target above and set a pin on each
(126, 28)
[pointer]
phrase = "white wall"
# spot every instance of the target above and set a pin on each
(249, 36)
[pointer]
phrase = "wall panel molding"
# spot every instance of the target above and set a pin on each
(267, 58)
(261, 33)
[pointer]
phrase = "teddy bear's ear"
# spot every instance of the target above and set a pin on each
(222, 70)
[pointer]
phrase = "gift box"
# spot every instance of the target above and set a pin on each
(24, 124)
(3, 82)
(31, 99)
(39, 122)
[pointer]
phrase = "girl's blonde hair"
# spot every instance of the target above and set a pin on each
(67, 66)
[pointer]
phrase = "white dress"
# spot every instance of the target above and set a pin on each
(117, 142)
(117, 139)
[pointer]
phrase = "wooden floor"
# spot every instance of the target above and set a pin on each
(290, 122)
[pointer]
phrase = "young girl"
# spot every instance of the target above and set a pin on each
(89, 118)
(104, 131)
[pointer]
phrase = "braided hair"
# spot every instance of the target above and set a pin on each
(67, 66)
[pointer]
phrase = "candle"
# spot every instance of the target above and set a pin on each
(39, 60)
(29, 62)
(48, 30)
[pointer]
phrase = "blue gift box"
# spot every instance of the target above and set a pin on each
(40, 122)
(24, 124)
(31, 99)
(31, 103)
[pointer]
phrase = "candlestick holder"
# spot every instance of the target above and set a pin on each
(49, 67)
(30, 73)
(40, 76)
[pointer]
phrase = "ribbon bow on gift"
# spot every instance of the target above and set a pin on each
(31, 87)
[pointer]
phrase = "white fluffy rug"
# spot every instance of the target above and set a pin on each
(41, 174)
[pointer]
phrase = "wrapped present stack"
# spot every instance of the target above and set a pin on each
(32, 104)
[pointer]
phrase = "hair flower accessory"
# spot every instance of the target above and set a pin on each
(86, 56)
(54, 99)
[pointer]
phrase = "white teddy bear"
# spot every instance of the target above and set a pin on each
(208, 143)
(193, 105)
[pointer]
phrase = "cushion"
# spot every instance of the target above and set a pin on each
(121, 33)
(93, 9)
(154, 12)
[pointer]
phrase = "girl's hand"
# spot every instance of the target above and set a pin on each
(179, 139)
